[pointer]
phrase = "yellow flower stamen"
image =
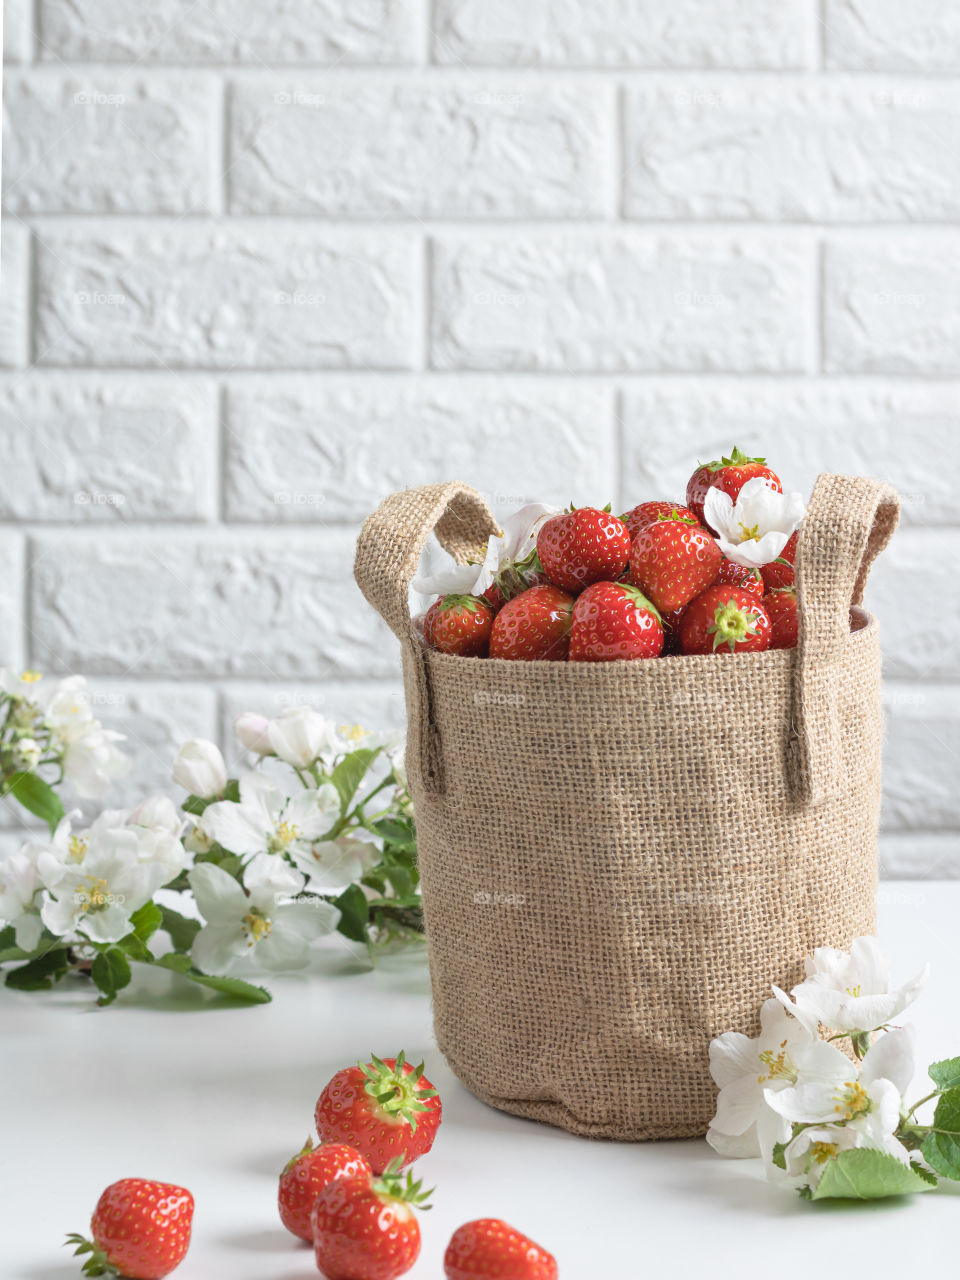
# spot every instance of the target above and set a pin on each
(284, 835)
(776, 1064)
(256, 926)
(353, 732)
(821, 1152)
(853, 991)
(78, 848)
(749, 535)
(95, 896)
(852, 1103)
(31, 677)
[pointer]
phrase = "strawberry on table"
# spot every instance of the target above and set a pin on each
(533, 625)
(730, 475)
(140, 1229)
(459, 624)
(673, 560)
(725, 620)
(581, 546)
(385, 1109)
(781, 605)
(614, 620)
(306, 1175)
(365, 1228)
(740, 575)
(781, 572)
(639, 517)
(490, 1247)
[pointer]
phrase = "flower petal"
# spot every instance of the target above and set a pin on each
(219, 897)
(216, 946)
(891, 1058)
(243, 829)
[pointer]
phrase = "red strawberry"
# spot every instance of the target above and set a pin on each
(489, 1247)
(671, 630)
(383, 1110)
(614, 620)
(306, 1175)
(780, 572)
(672, 561)
(781, 605)
(740, 575)
(140, 1229)
(730, 475)
(725, 620)
(583, 546)
(365, 1228)
(638, 518)
(535, 624)
(460, 625)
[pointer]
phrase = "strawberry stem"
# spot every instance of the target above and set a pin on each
(731, 624)
(396, 1091)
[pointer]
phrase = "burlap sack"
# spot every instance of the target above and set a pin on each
(619, 858)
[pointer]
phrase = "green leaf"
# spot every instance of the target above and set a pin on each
(41, 973)
(181, 929)
(946, 1074)
(8, 946)
(354, 913)
(147, 920)
(111, 972)
(136, 949)
(941, 1146)
(173, 960)
(197, 804)
(37, 796)
(235, 987)
(349, 773)
(862, 1174)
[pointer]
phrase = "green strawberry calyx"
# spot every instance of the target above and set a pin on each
(399, 1186)
(305, 1150)
(737, 458)
(731, 624)
(97, 1264)
(397, 1092)
(515, 576)
(640, 600)
(459, 601)
(674, 517)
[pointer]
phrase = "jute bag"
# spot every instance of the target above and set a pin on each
(619, 858)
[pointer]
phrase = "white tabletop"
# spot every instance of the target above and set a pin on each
(165, 1085)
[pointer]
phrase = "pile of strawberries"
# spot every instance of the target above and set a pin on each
(598, 588)
(353, 1197)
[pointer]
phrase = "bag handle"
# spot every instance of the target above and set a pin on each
(848, 523)
(389, 548)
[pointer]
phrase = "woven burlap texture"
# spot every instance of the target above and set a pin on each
(618, 859)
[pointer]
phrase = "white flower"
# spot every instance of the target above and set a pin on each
(753, 530)
(398, 761)
(98, 896)
(331, 865)
(156, 848)
(90, 758)
(26, 754)
(514, 543)
(850, 992)
(266, 820)
(21, 896)
(200, 769)
(808, 1154)
(159, 813)
(748, 1070)
(253, 732)
(869, 1104)
(259, 921)
(301, 735)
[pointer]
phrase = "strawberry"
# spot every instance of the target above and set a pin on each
(383, 1109)
(730, 475)
(638, 518)
(489, 1247)
(140, 1230)
(581, 546)
(614, 620)
(365, 1228)
(460, 625)
(672, 561)
(780, 572)
(781, 605)
(740, 575)
(534, 625)
(671, 630)
(306, 1175)
(725, 620)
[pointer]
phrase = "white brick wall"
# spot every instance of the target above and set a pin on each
(265, 260)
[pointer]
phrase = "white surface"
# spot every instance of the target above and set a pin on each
(164, 1086)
